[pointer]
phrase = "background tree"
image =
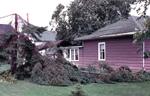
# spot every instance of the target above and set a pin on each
(143, 6)
(140, 37)
(83, 17)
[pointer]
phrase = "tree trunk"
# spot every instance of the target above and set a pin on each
(13, 61)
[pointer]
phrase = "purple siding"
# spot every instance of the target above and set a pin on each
(119, 51)
(122, 51)
(147, 61)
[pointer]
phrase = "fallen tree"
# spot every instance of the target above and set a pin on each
(55, 72)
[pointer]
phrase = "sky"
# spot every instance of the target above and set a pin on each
(39, 11)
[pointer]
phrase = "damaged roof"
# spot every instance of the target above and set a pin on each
(47, 36)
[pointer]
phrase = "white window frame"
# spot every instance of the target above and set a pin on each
(100, 43)
(70, 54)
(74, 54)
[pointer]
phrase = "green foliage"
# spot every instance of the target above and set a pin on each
(6, 46)
(58, 11)
(107, 74)
(146, 54)
(33, 31)
(18, 48)
(142, 36)
(3, 55)
(122, 74)
(78, 91)
(57, 72)
(142, 76)
(105, 67)
(142, 9)
(145, 34)
(91, 69)
(83, 17)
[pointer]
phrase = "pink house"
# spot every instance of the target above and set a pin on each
(112, 44)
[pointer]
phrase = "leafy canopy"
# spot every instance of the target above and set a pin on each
(83, 17)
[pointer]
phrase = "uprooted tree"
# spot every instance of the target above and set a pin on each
(31, 64)
(17, 48)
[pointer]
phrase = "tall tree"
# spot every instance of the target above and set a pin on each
(83, 17)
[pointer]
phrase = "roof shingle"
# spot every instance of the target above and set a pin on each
(132, 24)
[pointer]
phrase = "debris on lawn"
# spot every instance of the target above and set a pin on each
(7, 77)
(60, 72)
(55, 72)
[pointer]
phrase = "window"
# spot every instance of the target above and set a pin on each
(76, 57)
(101, 51)
(72, 54)
(68, 53)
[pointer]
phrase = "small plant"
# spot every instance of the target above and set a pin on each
(78, 91)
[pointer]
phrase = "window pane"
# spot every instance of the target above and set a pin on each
(101, 47)
(72, 54)
(102, 51)
(102, 55)
(68, 53)
(76, 54)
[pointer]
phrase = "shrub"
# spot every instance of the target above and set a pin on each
(105, 78)
(123, 68)
(101, 75)
(122, 74)
(90, 78)
(105, 68)
(83, 69)
(142, 76)
(78, 92)
(91, 69)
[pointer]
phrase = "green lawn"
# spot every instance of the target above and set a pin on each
(22, 88)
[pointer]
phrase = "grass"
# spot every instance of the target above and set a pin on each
(22, 88)
(4, 67)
